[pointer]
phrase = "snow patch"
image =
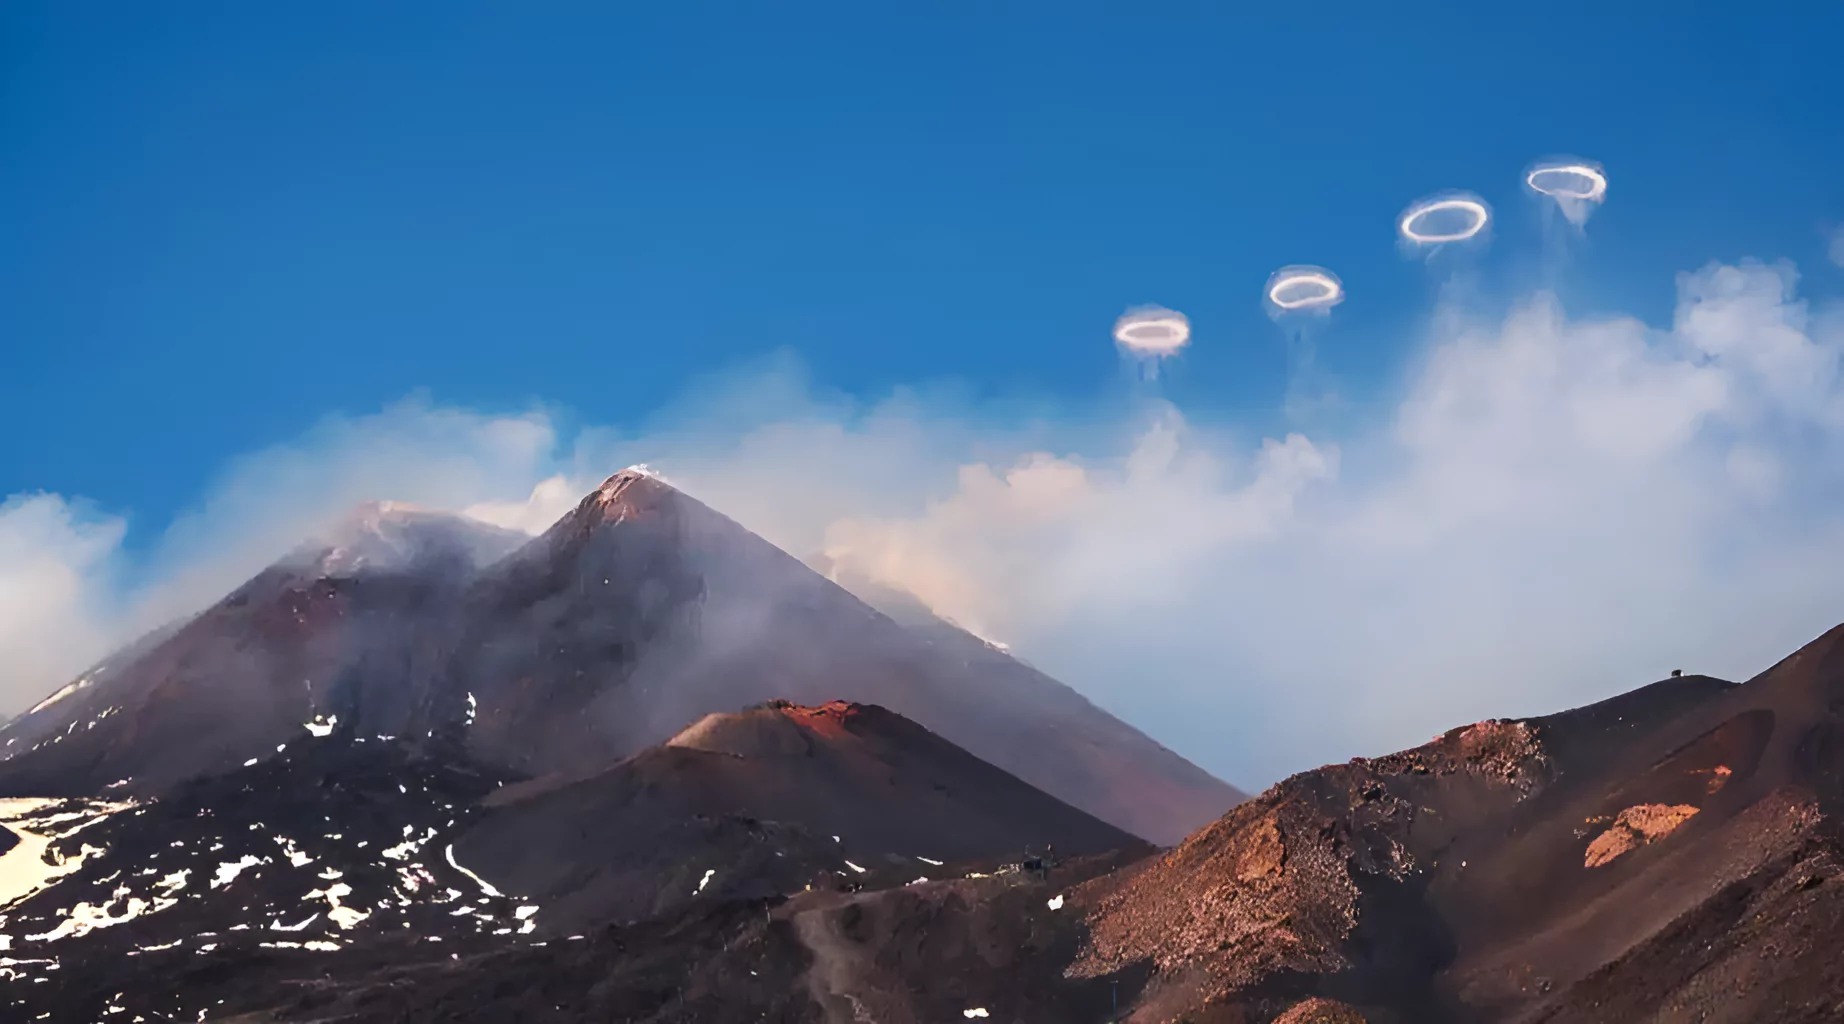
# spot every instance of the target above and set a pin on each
(87, 917)
(32, 863)
(69, 688)
(485, 887)
(228, 871)
(295, 856)
(338, 913)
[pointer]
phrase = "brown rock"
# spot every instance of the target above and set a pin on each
(1635, 827)
(1321, 1011)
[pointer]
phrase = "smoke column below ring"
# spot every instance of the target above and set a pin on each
(1299, 298)
(1447, 232)
(1147, 336)
(1308, 392)
(1567, 191)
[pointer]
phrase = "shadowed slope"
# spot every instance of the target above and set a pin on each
(766, 801)
(354, 625)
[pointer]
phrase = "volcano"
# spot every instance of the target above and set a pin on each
(453, 775)
(637, 612)
(643, 609)
(769, 800)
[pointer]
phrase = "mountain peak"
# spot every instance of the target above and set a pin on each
(634, 491)
(394, 535)
(376, 510)
(777, 727)
(639, 474)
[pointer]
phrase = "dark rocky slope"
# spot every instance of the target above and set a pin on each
(1669, 855)
(342, 854)
(764, 802)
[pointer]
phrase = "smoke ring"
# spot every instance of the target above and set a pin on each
(1331, 294)
(1473, 207)
(1596, 191)
(1161, 332)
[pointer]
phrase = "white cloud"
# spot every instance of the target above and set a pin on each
(1075, 535)
(1556, 510)
(67, 594)
(53, 572)
(549, 499)
(269, 501)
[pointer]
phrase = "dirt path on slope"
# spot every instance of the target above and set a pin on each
(843, 979)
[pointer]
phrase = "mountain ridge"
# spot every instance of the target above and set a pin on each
(638, 611)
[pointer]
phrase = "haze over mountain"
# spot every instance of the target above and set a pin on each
(1659, 494)
(637, 612)
(424, 747)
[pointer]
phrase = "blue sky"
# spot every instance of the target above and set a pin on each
(225, 220)
(237, 236)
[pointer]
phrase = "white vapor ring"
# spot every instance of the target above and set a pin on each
(1478, 210)
(1594, 193)
(1333, 291)
(1153, 334)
